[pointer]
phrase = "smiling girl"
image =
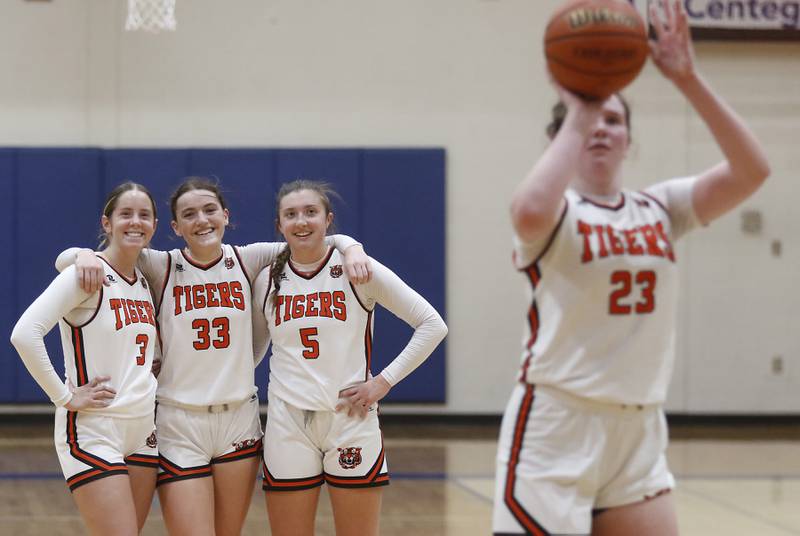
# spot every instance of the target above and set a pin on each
(322, 422)
(207, 422)
(104, 425)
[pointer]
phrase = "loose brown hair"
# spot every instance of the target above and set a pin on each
(113, 198)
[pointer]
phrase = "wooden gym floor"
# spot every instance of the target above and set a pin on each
(732, 480)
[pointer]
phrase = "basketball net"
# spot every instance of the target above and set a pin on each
(151, 15)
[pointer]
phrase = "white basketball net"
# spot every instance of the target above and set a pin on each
(151, 15)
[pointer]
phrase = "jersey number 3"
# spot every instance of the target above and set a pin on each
(624, 281)
(141, 341)
(221, 327)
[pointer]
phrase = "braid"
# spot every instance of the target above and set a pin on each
(277, 269)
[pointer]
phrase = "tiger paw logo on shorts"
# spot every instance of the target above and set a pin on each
(336, 270)
(246, 444)
(349, 457)
(151, 440)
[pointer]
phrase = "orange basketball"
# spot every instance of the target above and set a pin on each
(595, 47)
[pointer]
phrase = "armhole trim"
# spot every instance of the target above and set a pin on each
(550, 240)
(244, 270)
(358, 298)
(96, 310)
(164, 285)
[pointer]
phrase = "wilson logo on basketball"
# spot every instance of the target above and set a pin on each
(349, 457)
(336, 270)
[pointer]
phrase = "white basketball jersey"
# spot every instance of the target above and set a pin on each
(321, 336)
(118, 342)
(206, 331)
(601, 323)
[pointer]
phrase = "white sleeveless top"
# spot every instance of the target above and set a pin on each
(117, 341)
(321, 336)
(204, 315)
(601, 323)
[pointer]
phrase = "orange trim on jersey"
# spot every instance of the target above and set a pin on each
(80, 357)
(358, 299)
(533, 318)
(368, 345)
(289, 484)
(517, 510)
(606, 206)
(311, 275)
(128, 281)
(549, 240)
(248, 452)
(241, 265)
(656, 201)
(204, 266)
(164, 287)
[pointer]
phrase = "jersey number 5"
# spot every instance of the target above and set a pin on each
(222, 337)
(311, 350)
(624, 280)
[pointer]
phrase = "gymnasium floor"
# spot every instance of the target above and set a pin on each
(732, 480)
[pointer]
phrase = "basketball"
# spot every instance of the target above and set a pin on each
(594, 48)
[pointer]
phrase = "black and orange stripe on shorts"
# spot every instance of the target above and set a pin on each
(99, 468)
(519, 512)
(173, 472)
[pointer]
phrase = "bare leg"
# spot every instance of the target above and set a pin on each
(292, 513)
(233, 490)
(106, 506)
(143, 486)
(188, 506)
(356, 511)
(654, 517)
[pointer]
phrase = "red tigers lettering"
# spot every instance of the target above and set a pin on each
(129, 312)
(225, 294)
(318, 304)
(604, 240)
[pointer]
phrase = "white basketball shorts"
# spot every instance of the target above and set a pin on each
(303, 449)
(561, 457)
(192, 440)
(91, 446)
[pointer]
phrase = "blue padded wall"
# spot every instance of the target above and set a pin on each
(403, 227)
(9, 362)
(58, 199)
(392, 201)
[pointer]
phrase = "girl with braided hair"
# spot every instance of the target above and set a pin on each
(322, 422)
(208, 425)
